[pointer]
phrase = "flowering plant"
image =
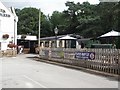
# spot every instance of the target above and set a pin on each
(12, 45)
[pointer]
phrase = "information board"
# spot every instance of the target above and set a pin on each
(85, 55)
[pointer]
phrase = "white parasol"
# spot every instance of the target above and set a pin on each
(67, 37)
(111, 34)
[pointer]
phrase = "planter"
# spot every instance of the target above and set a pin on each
(26, 50)
(5, 36)
(11, 45)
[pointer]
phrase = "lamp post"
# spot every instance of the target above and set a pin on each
(56, 32)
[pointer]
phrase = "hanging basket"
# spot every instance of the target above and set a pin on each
(5, 36)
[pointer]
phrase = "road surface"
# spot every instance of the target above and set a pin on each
(23, 72)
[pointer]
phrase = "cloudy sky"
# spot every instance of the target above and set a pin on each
(47, 6)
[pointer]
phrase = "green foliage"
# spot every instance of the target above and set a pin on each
(61, 54)
(57, 20)
(84, 19)
(29, 22)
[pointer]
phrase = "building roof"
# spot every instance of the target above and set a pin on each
(60, 36)
(6, 11)
(27, 37)
(30, 37)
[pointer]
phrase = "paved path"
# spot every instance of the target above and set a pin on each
(23, 72)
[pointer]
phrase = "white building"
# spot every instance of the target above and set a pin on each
(8, 25)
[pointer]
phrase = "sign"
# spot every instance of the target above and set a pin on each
(1, 10)
(85, 55)
(3, 13)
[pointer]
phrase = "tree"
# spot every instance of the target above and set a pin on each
(71, 16)
(29, 22)
(46, 27)
(57, 20)
(84, 19)
(105, 10)
(89, 21)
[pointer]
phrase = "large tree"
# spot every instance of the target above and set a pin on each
(29, 22)
(70, 16)
(83, 19)
(57, 20)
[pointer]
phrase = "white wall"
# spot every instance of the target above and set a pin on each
(7, 27)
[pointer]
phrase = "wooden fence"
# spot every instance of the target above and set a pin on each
(106, 60)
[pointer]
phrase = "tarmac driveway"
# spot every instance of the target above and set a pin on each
(23, 72)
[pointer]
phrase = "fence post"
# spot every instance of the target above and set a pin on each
(118, 61)
(49, 55)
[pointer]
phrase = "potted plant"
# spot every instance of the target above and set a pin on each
(5, 36)
(11, 45)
